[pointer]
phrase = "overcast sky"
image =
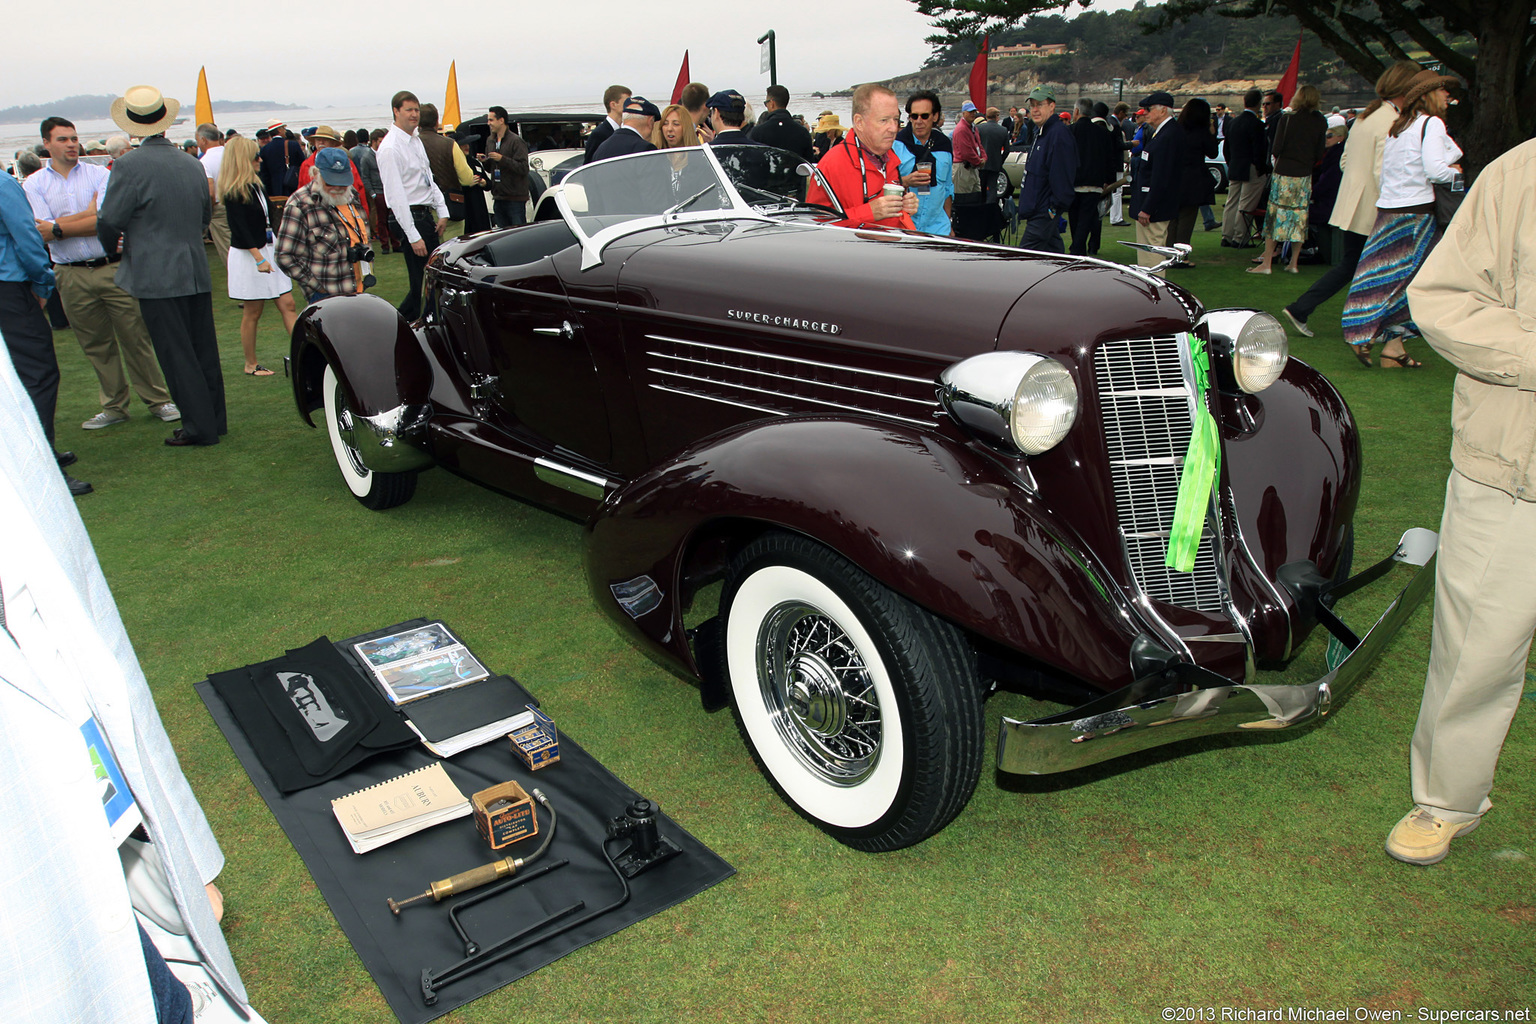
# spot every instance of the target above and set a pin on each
(545, 51)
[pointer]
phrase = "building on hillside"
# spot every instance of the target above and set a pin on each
(1029, 50)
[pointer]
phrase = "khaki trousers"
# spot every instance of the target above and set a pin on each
(218, 230)
(1243, 195)
(112, 335)
(1155, 233)
(1485, 613)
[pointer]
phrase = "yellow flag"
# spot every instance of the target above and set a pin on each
(450, 118)
(204, 104)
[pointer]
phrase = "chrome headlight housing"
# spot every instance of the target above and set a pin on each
(1021, 401)
(1253, 343)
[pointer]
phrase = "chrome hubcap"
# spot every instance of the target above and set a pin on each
(819, 693)
(344, 429)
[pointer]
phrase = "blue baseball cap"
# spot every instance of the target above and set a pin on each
(967, 107)
(334, 167)
(727, 99)
(639, 106)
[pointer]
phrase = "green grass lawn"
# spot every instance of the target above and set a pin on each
(1236, 872)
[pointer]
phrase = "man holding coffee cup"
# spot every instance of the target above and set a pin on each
(927, 160)
(861, 168)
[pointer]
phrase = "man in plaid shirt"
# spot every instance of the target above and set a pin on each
(322, 242)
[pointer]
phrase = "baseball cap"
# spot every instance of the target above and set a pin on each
(334, 167)
(967, 107)
(641, 107)
(727, 99)
(1044, 93)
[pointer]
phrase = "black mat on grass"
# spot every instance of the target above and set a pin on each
(397, 949)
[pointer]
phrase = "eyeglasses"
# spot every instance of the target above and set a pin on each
(919, 117)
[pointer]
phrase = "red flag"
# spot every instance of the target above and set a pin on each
(1287, 87)
(683, 78)
(979, 77)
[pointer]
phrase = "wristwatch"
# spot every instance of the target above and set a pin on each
(58, 232)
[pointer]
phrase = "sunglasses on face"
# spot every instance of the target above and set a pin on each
(919, 117)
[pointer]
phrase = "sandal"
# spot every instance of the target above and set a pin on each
(1402, 362)
(260, 371)
(1258, 270)
(1363, 353)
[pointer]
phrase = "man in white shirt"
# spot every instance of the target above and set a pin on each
(64, 197)
(412, 196)
(210, 144)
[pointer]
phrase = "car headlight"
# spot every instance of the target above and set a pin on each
(1022, 400)
(1253, 342)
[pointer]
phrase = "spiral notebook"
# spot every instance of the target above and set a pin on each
(399, 807)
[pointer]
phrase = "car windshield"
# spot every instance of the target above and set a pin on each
(621, 195)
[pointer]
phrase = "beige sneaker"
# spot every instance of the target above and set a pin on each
(1422, 838)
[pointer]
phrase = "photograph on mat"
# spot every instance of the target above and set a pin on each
(418, 662)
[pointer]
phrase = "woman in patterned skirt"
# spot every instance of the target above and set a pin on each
(1299, 144)
(1418, 152)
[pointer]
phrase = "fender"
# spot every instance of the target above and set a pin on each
(932, 519)
(1301, 514)
(353, 334)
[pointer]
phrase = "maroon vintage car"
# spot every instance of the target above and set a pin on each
(923, 468)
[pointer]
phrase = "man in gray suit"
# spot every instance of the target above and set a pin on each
(158, 203)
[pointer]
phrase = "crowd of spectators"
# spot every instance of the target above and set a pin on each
(284, 210)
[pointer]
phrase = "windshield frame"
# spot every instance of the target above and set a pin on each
(592, 245)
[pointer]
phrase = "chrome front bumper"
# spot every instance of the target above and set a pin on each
(1128, 721)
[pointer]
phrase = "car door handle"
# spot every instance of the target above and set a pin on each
(566, 330)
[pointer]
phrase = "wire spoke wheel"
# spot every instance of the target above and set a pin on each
(862, 709)
(819, 693)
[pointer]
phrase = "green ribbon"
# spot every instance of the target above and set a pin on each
(1202, 461)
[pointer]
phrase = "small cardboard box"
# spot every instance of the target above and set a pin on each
(511, 820)
(537, 744)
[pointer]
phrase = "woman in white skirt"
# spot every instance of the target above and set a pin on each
(253, 276)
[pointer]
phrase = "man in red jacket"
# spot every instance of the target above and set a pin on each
(861, 164)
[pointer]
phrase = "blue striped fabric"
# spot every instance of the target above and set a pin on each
(1378, 296)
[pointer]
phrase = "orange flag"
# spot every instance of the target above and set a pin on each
(204, 109)
(450, 116)
(979, 77)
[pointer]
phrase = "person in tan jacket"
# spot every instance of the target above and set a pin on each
(1474, 303)
(1354, 209)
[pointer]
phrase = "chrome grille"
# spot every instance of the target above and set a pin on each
(784, 385)
(1145, 399)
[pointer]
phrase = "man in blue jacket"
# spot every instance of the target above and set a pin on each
(1047, 191)
(1161, 159)
(927, 163)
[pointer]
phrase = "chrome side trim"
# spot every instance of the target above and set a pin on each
(789, 397)
(391, 441)
(717, 398)
(927, 403)
(790, 359)
(1218, 638)
(569, 478)
(1126, 722)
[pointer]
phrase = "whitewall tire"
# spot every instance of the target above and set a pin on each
(862, 709)
(377, 491)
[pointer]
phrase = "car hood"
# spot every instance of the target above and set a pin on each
(893, 290)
